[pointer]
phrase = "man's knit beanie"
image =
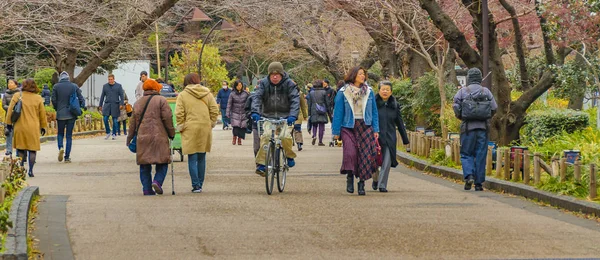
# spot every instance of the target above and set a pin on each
(275, 67)
(474, 76)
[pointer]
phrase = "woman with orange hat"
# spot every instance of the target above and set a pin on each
(152, 121)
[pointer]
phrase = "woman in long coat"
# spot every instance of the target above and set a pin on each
(390, 119)
(237, 113)
(30, 125)
(298, 138)
(196, 114)
(355, 119)
(319, 109)
(154, 130)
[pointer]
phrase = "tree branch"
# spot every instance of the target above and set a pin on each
(525, 81)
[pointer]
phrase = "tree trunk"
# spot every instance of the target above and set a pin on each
(525, 80)
(417, 65)
(442, 89)
(577, 92)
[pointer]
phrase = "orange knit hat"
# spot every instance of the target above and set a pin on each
(151, 84)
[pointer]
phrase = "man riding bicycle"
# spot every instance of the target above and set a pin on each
(277, 97)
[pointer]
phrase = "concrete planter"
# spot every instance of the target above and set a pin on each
(16, 239)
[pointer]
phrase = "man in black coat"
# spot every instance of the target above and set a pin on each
(277, 97)
(61, 101)
(112, 101)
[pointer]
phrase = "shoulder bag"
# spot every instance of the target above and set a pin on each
(16, 113)
(133, 144)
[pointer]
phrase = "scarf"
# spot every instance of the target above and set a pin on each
(357, 93)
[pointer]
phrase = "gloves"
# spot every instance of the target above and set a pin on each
(43, 131)
(255, 117)
(291, 120)
(7, 130)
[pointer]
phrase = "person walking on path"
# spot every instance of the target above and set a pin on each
(12, 88)
(276, 98)
(123, 117)
(320, 109)
(30, 125)
(196, 114)
(139, 90)
(356, 121)
(236, 112)
(222, 99)
(46, 95)
(390, 119)
(61, 101)
(330, 93)
(248, 108)
(298, 138)
(153, 133)
(474, 105)
(112, 101)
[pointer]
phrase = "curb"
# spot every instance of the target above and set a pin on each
(16, 238)
(53, 137)
(519, 189)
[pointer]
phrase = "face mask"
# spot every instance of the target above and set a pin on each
(224, 86)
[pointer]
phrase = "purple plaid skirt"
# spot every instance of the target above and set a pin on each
(359, 150)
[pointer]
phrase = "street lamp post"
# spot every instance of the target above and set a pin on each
(223, 28)
(355, 55)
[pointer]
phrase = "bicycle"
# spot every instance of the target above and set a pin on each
(275, 153)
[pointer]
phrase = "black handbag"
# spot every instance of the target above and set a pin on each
(16, 113)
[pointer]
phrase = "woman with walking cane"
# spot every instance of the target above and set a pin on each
(152, 126)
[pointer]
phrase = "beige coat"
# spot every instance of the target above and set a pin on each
(33, 118)
(196, 111)
(303, 110)
(154, 131)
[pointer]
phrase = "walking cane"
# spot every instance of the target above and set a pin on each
(172, 168)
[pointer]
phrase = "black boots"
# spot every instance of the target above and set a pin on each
(350, 183)
(361, 188)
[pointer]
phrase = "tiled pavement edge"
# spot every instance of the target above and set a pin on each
(51, 228)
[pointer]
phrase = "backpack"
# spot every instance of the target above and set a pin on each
(476, 106)
(74, 105)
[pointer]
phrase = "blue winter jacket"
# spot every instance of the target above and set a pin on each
(223, 97)
(343, 112)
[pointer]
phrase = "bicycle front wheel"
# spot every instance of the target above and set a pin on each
(282, 169)
(270, 165)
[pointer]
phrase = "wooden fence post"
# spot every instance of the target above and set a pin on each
(593, 189)
(488, 161)
(526, 170)
(536, 168)
(563, 169)
(516, 176)
(577, 171)
(555, 166)
(507, 165)
(499, 158)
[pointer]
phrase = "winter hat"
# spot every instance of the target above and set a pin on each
(474, 76)
(64, 75)
(151, 84)
(275, 67)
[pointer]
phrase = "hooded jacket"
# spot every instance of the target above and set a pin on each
(474, 79)
(46, 95)
(235, 108)
(277, 100)
(61, 96)
(7, 97)
(196, 113)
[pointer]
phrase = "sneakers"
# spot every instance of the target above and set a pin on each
(157, 187)
(107, 136)
(478, 187)
(61, 154)
(196, 189)
(291, 162)
(114, 137)
(149, 193)
(299, 147)
(261, 170)
(67, 160)
(469, 182)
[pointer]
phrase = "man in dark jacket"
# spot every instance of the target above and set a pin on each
(222, 99)
(61, 97)
(112, 101)
(330, 93)
(46, 95)
(473, 133)
(277, 97)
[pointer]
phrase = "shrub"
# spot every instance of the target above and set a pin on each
(44, 76)
(543, 124)
(402, 90)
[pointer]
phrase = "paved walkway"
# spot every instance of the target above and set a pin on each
(421, 217)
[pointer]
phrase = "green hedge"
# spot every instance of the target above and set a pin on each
(543, 124)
